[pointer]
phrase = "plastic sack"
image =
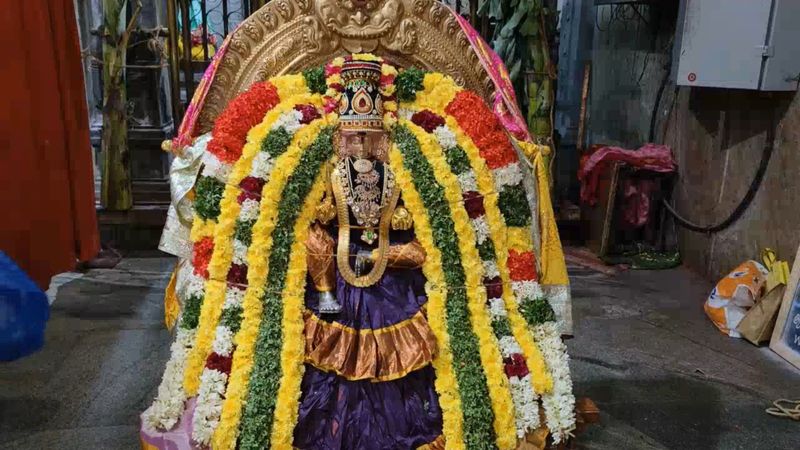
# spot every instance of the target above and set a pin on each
(734, 295)
(24, 311)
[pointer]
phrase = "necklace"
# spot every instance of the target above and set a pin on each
(364, 193)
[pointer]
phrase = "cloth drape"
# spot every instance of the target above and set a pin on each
(46, 174)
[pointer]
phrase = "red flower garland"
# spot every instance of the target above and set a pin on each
(237, 274)
(480, 124)
(473, 203)
(515, 366)
(309, 113)
(219, 363)
(522, 266)
(242, 113)
(494, 287)
(428, 120)
(202, 255)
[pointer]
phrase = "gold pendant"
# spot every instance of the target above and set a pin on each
(362, 165)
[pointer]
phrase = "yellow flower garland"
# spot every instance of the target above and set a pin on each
(228, 429)
(223, 242)
(445, 384)
(491, 358)
(519, 239)
(293, 350)
(201, 228)
(289, 85)
(439, 90)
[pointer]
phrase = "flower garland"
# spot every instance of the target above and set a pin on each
(228, 429)
(293, 351)
(559, 404)
(445, 383)
(473, 386)
(386, 87)
(533, 308)
(242, 113)
(526, 407)
(259, 411)
(225, 146)
(286, 118)
(499, 389)
(484, 211)
(223, 273)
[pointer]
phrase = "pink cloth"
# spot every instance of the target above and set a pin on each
(656, 158)
(505, 104)
(178, 438)
(186, 131)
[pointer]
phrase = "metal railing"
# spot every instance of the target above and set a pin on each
(204, 24)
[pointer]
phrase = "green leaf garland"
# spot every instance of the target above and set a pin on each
(537, 311)
(276, 142)
(209, 192)
(514, 205)
(408, 82)
(472, 383)
(315, 80)
(265, 378)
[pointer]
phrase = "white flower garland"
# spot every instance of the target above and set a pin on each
(290, 121)
(527, 290)
(526, 405)
(239, 252)
(405, 113)
(481, 227)
(490, 269)
(497, 308)
(250, 210)
(213, 167)
(467, 181)
(262, 165)
(209, 405)
(234, 297)
(167, 407)
(509, 175)
(559, 403)
(223, 341)
(445, 136)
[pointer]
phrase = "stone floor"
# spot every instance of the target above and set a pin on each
(662, 376)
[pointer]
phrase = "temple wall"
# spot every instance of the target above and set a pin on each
(717, 137)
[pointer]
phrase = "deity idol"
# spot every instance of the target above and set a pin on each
(363, 275)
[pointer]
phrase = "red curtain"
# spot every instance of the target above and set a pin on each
(48, 219)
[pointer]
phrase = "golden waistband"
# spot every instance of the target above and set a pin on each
(380, 354)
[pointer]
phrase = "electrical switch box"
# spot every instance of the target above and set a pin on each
(738, 44)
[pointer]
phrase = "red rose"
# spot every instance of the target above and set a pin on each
(252, 184)
(473, 202)
(244, 196)
(309, 113)
(494, 287)
(522, 266)
(237, 274)
(428, 120)
(219, 363)
(515, 366)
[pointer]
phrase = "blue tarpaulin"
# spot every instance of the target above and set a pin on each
(24, 311)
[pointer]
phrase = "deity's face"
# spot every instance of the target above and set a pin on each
(371, 144)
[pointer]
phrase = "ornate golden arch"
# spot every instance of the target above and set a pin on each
(288, 36)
